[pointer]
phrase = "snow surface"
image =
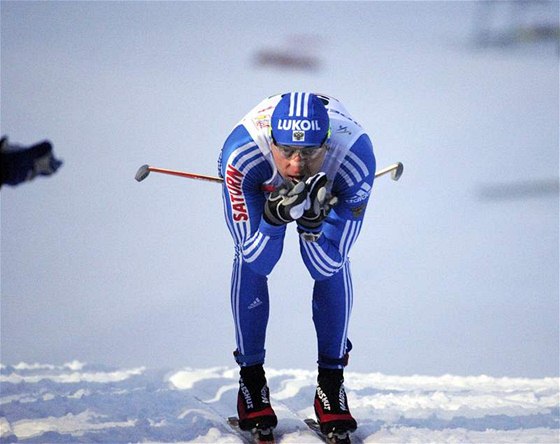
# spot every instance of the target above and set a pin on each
(77, 402)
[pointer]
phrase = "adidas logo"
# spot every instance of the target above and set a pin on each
(361, 194)
(255, 304)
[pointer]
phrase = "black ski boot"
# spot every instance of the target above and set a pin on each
(253, 401)
(331, 406)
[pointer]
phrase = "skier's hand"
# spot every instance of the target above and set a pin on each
(318, 204)
(286, 204)
(45, 165)
(21, 163)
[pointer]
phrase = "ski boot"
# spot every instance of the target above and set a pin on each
(331, 407)
(253, 403)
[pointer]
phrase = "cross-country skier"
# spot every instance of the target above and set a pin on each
(296, 157)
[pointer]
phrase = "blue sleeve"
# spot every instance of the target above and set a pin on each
(244, 169)
(352, 185)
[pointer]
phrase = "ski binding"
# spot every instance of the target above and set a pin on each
(258, 436)
(330, 438)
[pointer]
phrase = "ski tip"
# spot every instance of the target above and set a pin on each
(258, 436)
(331, 438)
(264, 438)
(233, 420)
(312, 423)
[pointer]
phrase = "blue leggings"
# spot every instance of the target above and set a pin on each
(332, 305)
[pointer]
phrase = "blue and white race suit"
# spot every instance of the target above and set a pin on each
(246, 164)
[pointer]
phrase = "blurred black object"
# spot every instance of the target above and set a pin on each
(24, 163)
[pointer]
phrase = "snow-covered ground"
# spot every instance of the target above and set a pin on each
(77, 402)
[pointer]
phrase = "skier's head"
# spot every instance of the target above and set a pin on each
(299, 130)
(300, 119)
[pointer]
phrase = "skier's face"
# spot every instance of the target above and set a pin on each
(298, 164)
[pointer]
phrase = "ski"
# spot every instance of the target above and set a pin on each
(258, 436)
(331, 438)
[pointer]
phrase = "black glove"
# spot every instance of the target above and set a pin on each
(20, 163)
(286, 204)
(318, 204)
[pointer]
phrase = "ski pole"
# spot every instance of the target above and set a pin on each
(144, 170)
(395, 169)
